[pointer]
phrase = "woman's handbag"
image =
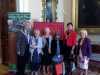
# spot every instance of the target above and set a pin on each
(83, 63)
(57, 59)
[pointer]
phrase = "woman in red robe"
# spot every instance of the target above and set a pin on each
(70, 39)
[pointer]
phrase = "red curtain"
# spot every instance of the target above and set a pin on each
(54, 26)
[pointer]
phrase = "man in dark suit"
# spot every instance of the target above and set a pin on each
(22, 49)
(27, 32)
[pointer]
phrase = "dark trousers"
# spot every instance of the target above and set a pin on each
(68, 68)
(67, 60)
(20, 65)
(53, 69)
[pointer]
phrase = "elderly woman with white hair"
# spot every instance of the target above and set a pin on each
(84, 52)
(47, 38)
(36, 51)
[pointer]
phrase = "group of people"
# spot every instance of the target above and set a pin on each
(44, 51)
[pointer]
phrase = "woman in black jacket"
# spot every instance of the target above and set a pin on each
(56, 51)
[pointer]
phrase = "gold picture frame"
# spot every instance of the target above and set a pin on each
(75, 10)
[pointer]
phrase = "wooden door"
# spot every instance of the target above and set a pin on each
(5, 7)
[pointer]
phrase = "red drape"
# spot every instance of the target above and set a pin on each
(54, 26)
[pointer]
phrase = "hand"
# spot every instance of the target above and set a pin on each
(32, 46)
(80, 56)
(42, 53)
(86, 57)
(18, 53)
(49, 51)
(72, 52)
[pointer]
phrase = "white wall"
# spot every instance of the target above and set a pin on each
(35, 7)
(22, 5)
(32, 6)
